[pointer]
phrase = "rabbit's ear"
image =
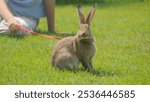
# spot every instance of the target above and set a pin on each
(80, 13)
(91, 14)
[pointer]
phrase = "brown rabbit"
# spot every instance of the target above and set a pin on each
(71, 51)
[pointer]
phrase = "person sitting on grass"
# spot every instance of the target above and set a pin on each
(25, 13)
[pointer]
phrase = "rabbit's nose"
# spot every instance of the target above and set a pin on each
(84, 34)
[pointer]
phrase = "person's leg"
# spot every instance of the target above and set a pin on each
(27, 23)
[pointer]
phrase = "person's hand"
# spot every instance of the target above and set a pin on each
(12, 22)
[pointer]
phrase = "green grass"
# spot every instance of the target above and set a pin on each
(123, 49)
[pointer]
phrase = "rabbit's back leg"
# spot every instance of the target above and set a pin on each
(66, 60)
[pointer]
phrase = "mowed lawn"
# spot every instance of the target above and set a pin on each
(123, 49)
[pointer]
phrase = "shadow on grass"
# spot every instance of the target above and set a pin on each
(102, 3)
(65, 34)
(97, 72)
(13, 36)
(59, 34)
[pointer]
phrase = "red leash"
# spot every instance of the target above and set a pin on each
(29, 31)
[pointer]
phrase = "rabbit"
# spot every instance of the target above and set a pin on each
(71, 51)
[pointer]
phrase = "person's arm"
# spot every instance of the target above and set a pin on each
(50, 14)
(6, 14)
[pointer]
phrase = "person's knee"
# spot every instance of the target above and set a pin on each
(27, 23)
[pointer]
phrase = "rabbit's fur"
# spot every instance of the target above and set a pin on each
(71, 51)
